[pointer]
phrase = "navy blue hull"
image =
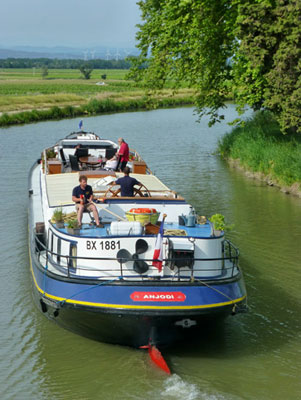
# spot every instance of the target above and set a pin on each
(132, 314)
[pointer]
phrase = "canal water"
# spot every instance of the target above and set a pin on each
(251, 356)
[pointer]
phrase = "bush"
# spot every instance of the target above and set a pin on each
(260, 146)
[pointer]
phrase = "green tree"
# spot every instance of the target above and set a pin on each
(44, 71)
(86, 71)
(246, 48)
(267, 66)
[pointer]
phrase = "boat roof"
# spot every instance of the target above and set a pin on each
(60, 186)
(101, 143)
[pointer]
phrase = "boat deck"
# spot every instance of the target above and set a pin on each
(60, 186)
(170, 229)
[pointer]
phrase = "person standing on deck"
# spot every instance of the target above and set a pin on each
(82, 195)
(126, 183)
(123, 153)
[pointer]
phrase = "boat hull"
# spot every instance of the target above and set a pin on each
(108, 311)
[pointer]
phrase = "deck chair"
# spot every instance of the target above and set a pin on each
(63, 158)
(74, 163)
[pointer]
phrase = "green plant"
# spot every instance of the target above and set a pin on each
(73, 224)
(58, 215)
(50, 153)
(44, 71)
(86, 71)
(218, 221)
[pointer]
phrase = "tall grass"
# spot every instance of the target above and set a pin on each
(261, 147)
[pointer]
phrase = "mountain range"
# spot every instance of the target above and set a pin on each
(98, 52)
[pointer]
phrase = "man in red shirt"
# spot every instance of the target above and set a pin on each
(123, 153)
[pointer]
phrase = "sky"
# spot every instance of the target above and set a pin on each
(71, 23)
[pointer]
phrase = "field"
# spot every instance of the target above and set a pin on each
(26, 89)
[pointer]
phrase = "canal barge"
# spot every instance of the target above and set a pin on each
(152, 272)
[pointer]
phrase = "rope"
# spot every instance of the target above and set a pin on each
(175, 232)
(218, 291)
(223, 294)
(61, 303)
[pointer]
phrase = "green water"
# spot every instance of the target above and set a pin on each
(252, 356)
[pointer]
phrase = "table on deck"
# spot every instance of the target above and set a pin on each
(90, 161)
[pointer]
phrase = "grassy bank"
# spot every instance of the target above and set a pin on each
(261, 148)
(93, 107)
(25, 96)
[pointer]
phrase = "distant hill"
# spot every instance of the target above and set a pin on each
(7, 53)
(59, 52)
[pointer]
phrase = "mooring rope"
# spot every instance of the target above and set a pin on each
(62, 302)
(218, 291)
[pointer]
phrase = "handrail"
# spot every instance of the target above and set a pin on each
(51, 254)
(231, 257)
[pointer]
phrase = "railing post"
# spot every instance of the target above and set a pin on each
(223, 255)
(121, 270)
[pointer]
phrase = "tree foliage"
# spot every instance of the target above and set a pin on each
(246, 48)
(268, 63)
(86, 71)
(44, 71)
(62, 63)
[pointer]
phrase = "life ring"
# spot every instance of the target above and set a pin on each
(143, 210)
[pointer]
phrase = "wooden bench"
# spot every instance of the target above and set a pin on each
(100, 173)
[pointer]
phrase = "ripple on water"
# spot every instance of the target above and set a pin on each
(21, 345)
(176, 388)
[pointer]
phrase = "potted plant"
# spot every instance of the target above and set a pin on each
(73, 227)
(219, 225)
(58, 217)
(50, 153)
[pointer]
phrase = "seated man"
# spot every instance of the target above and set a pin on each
(82, 195)
(127, 183)
(80, 152)
(76, 153)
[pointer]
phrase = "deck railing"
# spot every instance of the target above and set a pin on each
(68, 265)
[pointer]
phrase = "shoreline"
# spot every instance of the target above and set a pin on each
(94, 107)
(294, 189)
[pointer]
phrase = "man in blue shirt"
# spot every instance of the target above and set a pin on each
(127, 183)
(82, 195)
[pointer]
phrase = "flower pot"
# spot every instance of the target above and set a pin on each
(60, 224)
(217, 232)
(73, 231)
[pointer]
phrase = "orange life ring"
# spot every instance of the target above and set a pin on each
(143, 210)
